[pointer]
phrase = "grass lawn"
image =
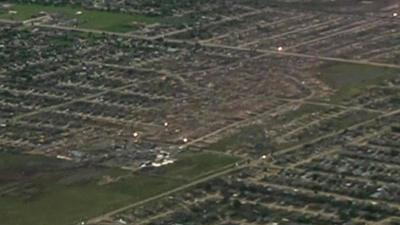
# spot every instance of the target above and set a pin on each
(49, 191)
(252, 137)
(331, 125)
(100, 20)
(67, 205)
(16, 163)
(304, 109)
(55, 192)
(248, 137)
(351, 79)
(191, 166)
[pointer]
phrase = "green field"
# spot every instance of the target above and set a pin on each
(304, 109)
(253, 137)
(92, 19)
(192, 166)
(351, 79)
(41, 191)
(250, 137)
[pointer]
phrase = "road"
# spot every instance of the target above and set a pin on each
(223, 129)
(165, 194)
(210, 45)
(256, 162)
(300, 55)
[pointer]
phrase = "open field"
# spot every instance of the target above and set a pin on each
(350, 80)
(40, 191)
(193, 166)
(101, 20)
